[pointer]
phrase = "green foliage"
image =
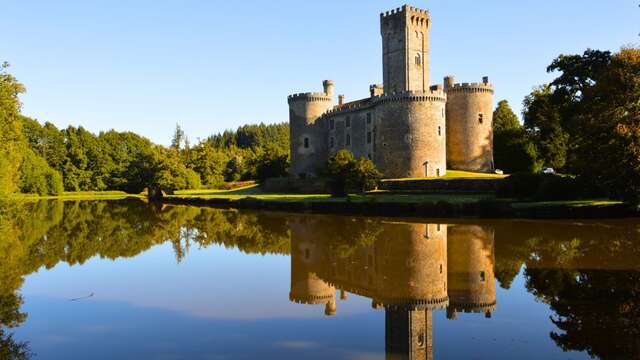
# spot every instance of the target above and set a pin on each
(504, 118)
(36, 177)
(347, 173)
(513, 148)
(543, 120)
(546, 187)
(587, 121)
(11, 138)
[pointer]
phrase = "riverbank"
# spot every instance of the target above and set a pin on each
(394, 204)
(79, 195)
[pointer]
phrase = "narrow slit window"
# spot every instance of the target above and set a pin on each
(306, 143)
(369, 137)
(439, 130)
(481, 118)
(332, 142)
(368, 118)
(348, 140)
(348, 122)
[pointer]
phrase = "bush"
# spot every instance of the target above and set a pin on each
(546, 187)
(347, 173)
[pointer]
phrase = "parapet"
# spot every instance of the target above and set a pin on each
(435, 94)
(484, 86)
(404, 9)
(309, 96)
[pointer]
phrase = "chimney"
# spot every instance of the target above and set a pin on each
(485, 80)
(340, 99)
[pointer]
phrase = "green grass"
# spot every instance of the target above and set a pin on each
(77, 195)
(456, 175)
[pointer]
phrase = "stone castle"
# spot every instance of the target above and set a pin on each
(406, 127)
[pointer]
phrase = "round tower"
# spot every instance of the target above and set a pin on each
(469, 125)
(472, 286)
(410, 135)
(413, 266)
(308, 136)
(306, 259)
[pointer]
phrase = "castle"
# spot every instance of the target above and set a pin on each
(406, 127)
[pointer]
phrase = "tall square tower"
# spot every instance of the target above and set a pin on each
(405, 49)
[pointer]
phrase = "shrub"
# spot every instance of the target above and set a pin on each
(347, 173)
(546, 187)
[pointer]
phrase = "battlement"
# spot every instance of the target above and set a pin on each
(434, 94)
(471, 87)
(403, 10)
(484, 86)
(309, 96)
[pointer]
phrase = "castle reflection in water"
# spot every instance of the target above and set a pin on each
(406, 269)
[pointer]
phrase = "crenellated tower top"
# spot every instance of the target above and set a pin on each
(405, 49)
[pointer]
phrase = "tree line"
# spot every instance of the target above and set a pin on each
(42, 159)
(586, 123)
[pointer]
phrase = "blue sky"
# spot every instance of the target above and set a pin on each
(146, 65)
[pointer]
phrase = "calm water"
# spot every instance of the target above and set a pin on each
(125, 280)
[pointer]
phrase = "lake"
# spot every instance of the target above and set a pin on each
(131, 280)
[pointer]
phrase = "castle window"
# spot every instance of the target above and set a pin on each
(369, 137)
(307, 254)
(420, 340)
(480, 118)
(348, 122)
(332, 142)
(440, 268)
(368, 118)
(348, 140)
(418, 60)
(482, 277)
(437, 172)
(306, 143)
(439, 130)
(332, 124)
(369, 156)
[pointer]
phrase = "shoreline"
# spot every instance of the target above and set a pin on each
(484, 208)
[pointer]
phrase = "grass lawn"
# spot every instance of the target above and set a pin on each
(77, 195)
(456, 175)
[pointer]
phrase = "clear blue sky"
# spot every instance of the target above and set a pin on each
(211, 65)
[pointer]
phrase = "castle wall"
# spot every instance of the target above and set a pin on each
(308, 138)
(410, 135)
(359, 131)
(470, 127)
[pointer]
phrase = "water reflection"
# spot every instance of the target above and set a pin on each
(406, 269)
(588, 273)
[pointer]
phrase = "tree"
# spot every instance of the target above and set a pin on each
(513, 148)
(178, 138)
(11, 139)
(504, 118)
(347, 173)
(607, 149)
(543, 120)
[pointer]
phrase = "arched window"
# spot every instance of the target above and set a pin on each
(418, 59)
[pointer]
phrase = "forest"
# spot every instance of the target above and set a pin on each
(584, 124)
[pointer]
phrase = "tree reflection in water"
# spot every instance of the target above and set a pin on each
(587, 273)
